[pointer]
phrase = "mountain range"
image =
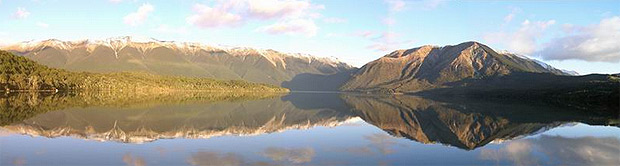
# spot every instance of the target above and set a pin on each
(153, 56)
(402, 71)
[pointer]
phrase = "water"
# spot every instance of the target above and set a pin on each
(298, 129)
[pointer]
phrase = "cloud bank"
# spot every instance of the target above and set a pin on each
(293, 16)
(523, 40)
(599, 42)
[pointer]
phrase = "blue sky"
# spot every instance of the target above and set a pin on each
(576, 35)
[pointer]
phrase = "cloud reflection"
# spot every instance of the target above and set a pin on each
(214, 158)
(130, 160)
(558, 150)
(5, 132)
(294, 155)
(19, 161)
(383, 142)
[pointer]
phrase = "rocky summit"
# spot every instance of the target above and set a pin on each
(429, 67)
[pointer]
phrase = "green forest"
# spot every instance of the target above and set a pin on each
(21, 74)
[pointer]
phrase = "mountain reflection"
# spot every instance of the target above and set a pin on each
(199, 117)
(466, 124)
(463, 124)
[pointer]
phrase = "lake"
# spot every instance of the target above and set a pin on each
(299, 129)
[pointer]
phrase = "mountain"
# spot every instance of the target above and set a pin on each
(21, 74)
(429, 67)
(185, 59)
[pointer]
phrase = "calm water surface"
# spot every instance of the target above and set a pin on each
(298, 129)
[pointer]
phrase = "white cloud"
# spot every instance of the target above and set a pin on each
(295, 26)
(207, 17)
(598, 42)
(116, 1)
(523, 40)
(266, 9)
(294, 16)
(335, 20)
(400, 5)
(42, 24)
(395, 5)
(139, 16)
(431, 4)
(21, 13)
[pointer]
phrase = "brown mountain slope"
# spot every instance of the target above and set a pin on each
(185, 59)
(429, 67)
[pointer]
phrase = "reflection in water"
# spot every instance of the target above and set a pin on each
(562, 151)
(293, 155)
(186, 119)
(214, 158)
(20, 106)
(464, 124)
(128, 159)
(383, 143)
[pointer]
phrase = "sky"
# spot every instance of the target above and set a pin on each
(582, 36)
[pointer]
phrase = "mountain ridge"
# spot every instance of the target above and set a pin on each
(21, 74)
(180, 59)
(429, 67)
(118, 43)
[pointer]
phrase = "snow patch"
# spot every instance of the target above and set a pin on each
(144, 45)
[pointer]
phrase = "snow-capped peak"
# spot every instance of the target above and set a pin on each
(144, 45)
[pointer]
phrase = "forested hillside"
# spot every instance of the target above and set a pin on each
(21, 74)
